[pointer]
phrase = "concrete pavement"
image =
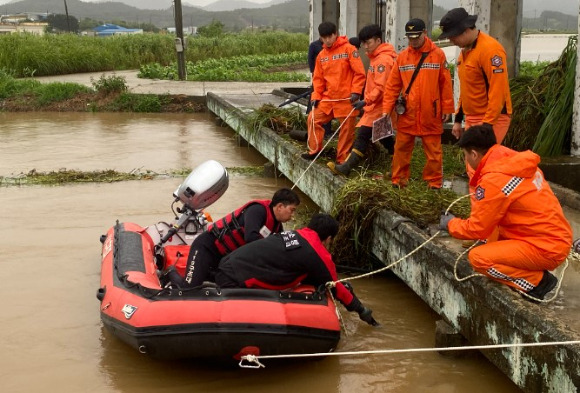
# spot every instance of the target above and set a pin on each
(156, 86)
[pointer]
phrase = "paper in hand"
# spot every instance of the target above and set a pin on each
(382, 128)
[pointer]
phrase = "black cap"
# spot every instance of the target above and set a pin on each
(456, 22)
(414, 28)
(354, 41)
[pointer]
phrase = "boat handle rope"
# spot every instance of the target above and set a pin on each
(253, 361)
(327, 142)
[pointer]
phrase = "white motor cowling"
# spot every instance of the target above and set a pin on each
(204, 185)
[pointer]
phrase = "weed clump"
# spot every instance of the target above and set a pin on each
(361, 199)
(106, 85)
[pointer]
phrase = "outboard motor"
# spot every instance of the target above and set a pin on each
(204, 185)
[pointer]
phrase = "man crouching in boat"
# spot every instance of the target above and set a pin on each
(255, 220)
(511, 195)
(287, 259)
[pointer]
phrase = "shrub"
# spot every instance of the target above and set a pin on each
(110, 84)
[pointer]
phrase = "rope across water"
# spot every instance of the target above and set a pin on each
(254, 361)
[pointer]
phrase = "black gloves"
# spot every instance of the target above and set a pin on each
(354, 97)
(366, 314)
(359, 105)
(444, 222)
(315, 103)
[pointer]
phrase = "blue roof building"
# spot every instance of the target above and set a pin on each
(109, 29)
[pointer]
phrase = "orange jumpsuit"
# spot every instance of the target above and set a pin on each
(512, 195)
(339, 72)
(382, 60)
(431, 96)
(484, 91)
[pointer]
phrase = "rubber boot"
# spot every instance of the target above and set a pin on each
(546, 284)
(344, 169)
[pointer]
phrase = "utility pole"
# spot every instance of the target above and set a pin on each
(67, 19)
(179, 42)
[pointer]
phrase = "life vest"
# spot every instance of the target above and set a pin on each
(229, 233)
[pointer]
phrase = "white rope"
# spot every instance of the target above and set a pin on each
(572, 255)
(312, 122)
(327, 143)
(331, 284)
(255, 359)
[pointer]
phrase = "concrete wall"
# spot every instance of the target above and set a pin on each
(483, 311)
(575, 142)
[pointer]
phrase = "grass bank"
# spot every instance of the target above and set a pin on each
(108, 94)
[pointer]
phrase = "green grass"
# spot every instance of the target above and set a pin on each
(56, 92)
(27, 55)
(251, 68)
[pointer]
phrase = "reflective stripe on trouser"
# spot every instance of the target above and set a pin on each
(500, 129)
(512, 262)
(433, 170)
(316, 135)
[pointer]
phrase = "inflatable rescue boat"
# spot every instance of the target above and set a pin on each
(203, 322)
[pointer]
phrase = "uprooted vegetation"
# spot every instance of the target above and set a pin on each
(67, 176)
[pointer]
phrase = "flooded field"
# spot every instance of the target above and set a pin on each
(534, 47)
(51, 334)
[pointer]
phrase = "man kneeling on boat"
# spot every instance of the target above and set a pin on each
(286, 259)
(255, 220)
(512, 196)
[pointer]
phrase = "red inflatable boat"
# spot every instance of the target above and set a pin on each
(204, 322)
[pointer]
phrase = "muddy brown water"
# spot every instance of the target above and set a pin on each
(51, 337)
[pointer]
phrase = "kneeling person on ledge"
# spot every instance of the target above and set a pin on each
(287, 259)
(511, 195)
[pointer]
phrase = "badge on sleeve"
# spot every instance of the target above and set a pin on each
(265, 231)
(381, 68)
(290, 239)
(496, 61)
(479, 193)
(355, 54)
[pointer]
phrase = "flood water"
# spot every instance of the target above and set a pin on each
(51, 337)
(534, 47)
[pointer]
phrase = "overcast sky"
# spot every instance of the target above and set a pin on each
(200, 3)
(531, 7)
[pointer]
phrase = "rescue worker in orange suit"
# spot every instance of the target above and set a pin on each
(484, 91)
(512, 194)
(423, 108)
(287, 259)
(255, 220)
(313, 50)
(338, 81)
(382, 57)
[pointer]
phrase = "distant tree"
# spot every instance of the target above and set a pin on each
(137, 25)
(215, 28)
(58, 23)
(89, 24)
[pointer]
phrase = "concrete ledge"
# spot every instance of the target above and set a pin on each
(483, 311)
